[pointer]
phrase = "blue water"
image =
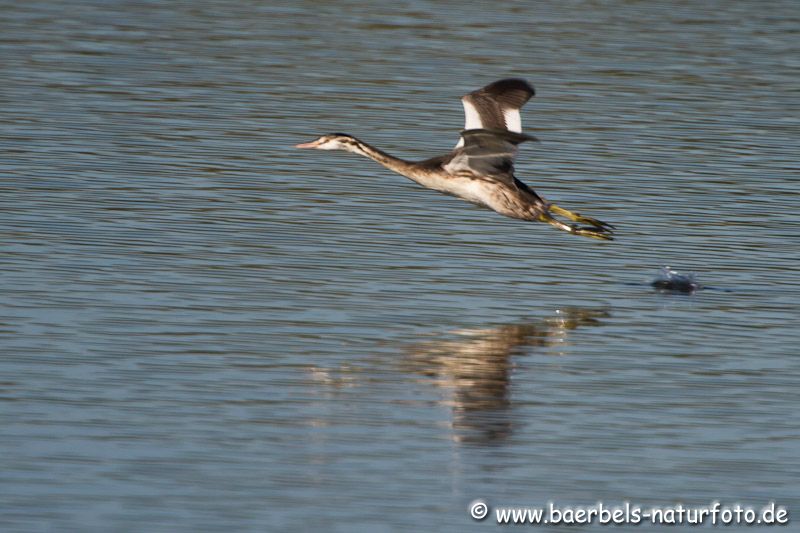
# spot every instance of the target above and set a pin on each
(203, 329)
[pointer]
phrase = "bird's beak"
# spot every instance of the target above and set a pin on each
(312, 144)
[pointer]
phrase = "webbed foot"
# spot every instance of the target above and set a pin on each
(596, 229)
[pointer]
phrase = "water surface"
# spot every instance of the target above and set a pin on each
(204, 329)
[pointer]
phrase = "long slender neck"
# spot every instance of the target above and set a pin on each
(396, 164)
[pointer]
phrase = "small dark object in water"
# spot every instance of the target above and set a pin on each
(669, 280)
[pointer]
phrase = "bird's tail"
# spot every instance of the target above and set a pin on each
(596, 229)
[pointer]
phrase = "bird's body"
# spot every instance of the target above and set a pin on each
(480, 168)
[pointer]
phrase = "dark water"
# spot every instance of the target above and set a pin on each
(204, 329)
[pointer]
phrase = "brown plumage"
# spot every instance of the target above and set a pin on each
(481, 167)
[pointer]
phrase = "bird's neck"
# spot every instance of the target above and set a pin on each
(396, 164)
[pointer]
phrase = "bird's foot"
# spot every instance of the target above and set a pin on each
(592, 232)
(577, 217)
(596, 229)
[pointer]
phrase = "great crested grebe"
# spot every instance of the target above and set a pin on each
(480, 169)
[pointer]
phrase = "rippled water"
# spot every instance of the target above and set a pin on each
(203, 328)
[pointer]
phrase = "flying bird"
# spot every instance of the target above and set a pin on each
(480, 169)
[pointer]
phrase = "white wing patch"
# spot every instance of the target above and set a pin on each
(513, 120)
(472, 120)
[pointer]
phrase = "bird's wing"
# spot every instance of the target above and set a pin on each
(487, 154)
(496, 106)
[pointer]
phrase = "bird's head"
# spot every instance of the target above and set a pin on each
(332, 141)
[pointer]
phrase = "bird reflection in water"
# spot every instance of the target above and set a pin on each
(474, 367)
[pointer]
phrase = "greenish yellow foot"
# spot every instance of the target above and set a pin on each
(577, 217)
(597, 229)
